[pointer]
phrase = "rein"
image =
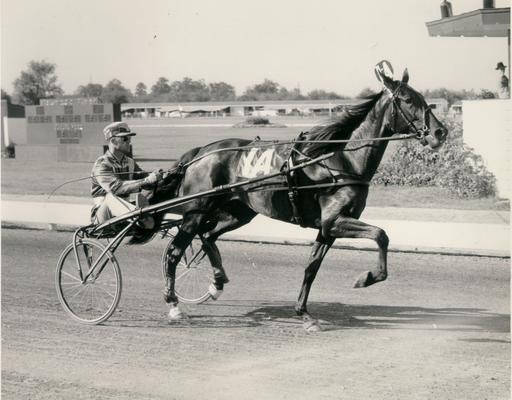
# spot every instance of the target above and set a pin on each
(288, 142)
(272, 143)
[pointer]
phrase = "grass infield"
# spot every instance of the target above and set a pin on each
(39, 177)
(156, 146)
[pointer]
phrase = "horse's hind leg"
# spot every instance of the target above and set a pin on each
(318, 252)
(219, 274)
(181, 241)
(345, 227)
(235, 215)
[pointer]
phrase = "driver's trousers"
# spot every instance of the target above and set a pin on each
(111, 206)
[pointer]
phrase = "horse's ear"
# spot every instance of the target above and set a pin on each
(384, 73)
(405, 76)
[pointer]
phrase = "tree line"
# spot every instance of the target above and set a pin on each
(40, 81)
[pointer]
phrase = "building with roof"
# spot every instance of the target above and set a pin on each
(233, 108)
(438, 105)
(456, 109)
(485, 22)
(488, 21)
(251, 108)
(486, 126)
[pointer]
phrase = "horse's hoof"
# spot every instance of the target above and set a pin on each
(364, 280)
(312, 326)
(214, 292)
(221, 279)
(175, 314)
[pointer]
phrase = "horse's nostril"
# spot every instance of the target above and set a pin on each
(440, 133)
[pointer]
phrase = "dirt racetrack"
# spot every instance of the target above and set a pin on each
(439, 328)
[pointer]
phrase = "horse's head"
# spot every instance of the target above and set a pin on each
(410, 113)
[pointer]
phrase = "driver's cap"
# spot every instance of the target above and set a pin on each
(117, 129)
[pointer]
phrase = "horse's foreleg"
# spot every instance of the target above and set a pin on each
(318, 252)
(345, 227)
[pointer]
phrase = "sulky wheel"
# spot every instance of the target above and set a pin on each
(92, 300)
(194, 273)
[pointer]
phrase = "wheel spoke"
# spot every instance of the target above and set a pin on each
(106, 304)
(71, 276)
(71, 285)
(80, 290)
(105, 291)
(203, 255)
(184, 274)
(193, 258)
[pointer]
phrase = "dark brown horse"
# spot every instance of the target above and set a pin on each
(333, 208)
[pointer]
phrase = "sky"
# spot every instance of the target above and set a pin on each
(322, 44)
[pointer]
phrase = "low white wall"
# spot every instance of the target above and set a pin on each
(487, 129)
(17, 130)
(478, 238)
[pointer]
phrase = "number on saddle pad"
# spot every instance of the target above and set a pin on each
(258, 162)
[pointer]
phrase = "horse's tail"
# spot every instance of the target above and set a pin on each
(166, 192)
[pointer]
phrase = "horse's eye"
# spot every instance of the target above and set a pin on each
(408, 100)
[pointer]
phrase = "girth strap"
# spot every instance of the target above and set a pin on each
(293, 194)
(292, 182)
(293, 186)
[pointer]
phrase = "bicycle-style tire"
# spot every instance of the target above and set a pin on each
(94, 301)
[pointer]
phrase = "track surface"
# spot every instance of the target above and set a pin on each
(439, 328)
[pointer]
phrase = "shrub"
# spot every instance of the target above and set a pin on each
(257, 121)
(454, 167)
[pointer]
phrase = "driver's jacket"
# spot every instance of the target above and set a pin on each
(109, 173)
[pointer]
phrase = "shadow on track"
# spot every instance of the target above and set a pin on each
(336, 316)
(333, 316)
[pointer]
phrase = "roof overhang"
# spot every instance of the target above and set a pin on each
(192, 108)
(491, 22)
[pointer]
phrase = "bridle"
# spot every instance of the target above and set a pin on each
(420, 133)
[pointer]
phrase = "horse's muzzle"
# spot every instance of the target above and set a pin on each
(436, 140)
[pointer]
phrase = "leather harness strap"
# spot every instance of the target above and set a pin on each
(293, 194)
(293, 186)
(292, 182)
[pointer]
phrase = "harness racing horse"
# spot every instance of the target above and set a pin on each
(332, 193)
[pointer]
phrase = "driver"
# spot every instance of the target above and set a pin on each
(113, 177)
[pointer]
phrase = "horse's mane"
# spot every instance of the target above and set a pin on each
(341, 129)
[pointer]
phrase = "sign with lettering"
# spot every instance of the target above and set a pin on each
(64, 124)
